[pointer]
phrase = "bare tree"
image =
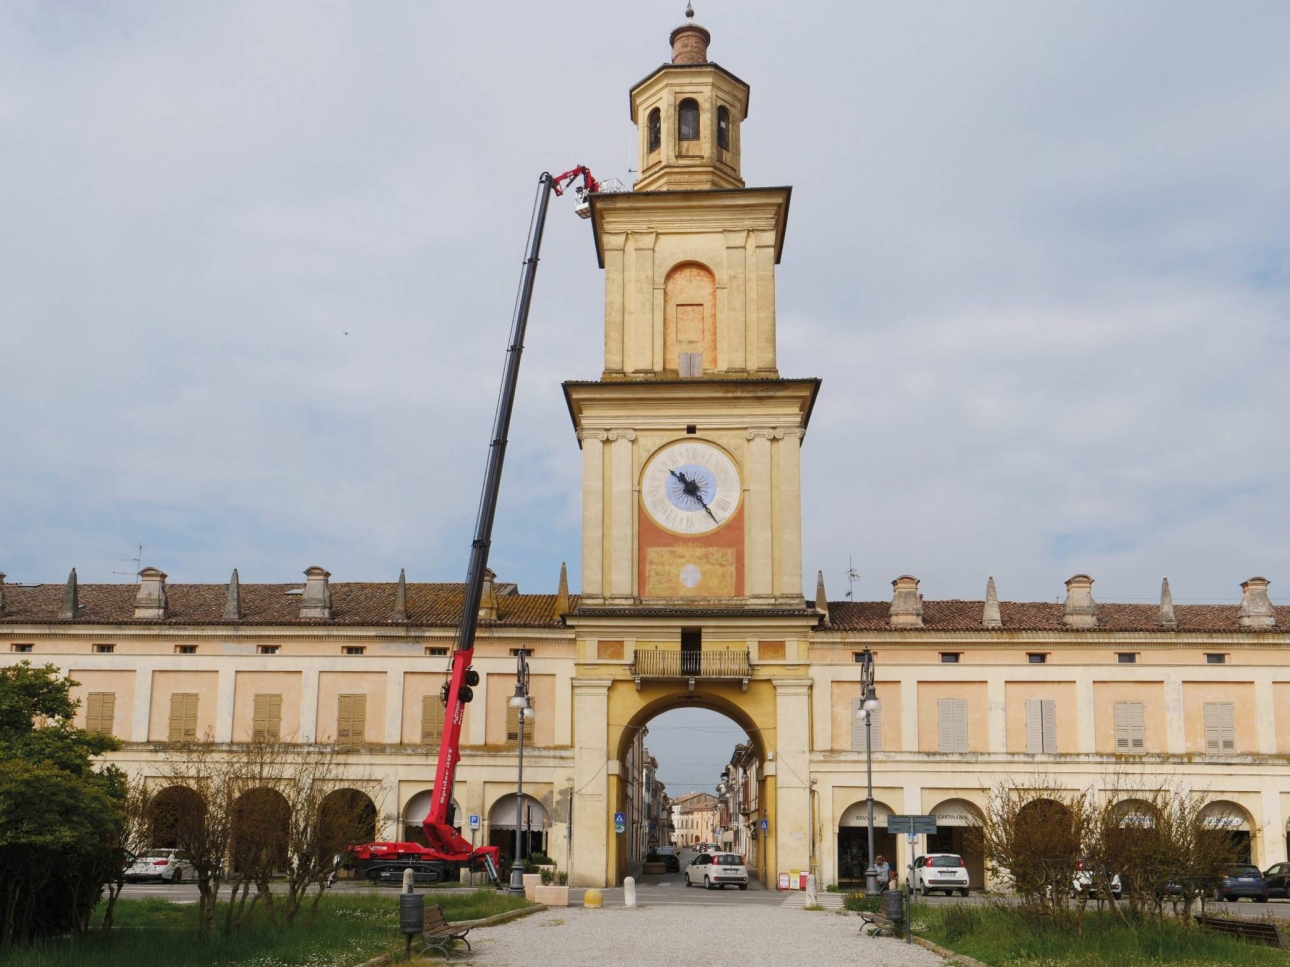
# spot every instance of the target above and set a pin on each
(132, 838)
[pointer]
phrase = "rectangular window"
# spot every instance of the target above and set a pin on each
(1036, 657)
(100, 709)
(183, 717)
(104, 649)
(435, 651)
(266, 724)
(351, 720)
(1130, 731)
(1220, 728)
(185, 649)
(949, 657)
(857, 727)
(266, 649)
(690, 364)
(1041, 725)
(21, 649)
(1215, 658)
(1127, 657)
(951, 715)
(431, 720)
(353, 649)
(513, 727)
(526, 652)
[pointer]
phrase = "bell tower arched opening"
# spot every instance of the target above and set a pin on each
(690, 320)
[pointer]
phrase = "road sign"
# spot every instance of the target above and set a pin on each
(474, 820)
(620, 823)
(765, 825)
(911, 825)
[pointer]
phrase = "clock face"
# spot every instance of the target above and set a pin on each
(690, 488)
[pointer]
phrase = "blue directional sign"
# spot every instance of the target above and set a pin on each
(765, 825)
(620, 823)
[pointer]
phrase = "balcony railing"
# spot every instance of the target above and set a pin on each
(673, 663)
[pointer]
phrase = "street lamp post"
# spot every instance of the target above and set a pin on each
(867, 708)
(523, 710)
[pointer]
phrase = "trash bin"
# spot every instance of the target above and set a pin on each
(893, 905)
(412, 913)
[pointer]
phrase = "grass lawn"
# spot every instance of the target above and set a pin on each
(349, 929)
(1004, 937)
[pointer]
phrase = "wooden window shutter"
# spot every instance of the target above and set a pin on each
(857, 725)
(1048, 709)
(1213, 729)
(266, 723)
(1137, 727)
(513, 727)
(1034, 726)
(875, 730)
(183, 717)
(1227, 727)
(1121, 727)
(100, 709)
(351, 720)
(431, 720)
(945, 724)
(960, 725)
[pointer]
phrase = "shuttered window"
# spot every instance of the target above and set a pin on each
(951, 715)
(266, 723)
(351, 720)
(1041, 725)
(431, 720)
(100, 709)
(1129, 729)
(857, 728)
(183, 717)
(513, 727)
(1220, 728)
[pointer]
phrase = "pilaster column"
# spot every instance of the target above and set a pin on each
(1085, 716)
(615, 281)
(792, 789)
(224, 699)
(997, 710)
(476, 725)
(308, 704)
(1175, 733)
(640, 327)
(759, 567)
(142, 704)
(394, 706)
(765, 269)
(790, 512)
(621, 506)
(593, 512)
(909, 713)
(1272, 842)
(1265, 724)
(734, 312)
(591, 806)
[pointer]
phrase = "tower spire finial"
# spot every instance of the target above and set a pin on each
(689, 10)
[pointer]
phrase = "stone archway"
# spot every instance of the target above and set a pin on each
(1226, 818)
(261, 831)
(177, 813)
(414, 812)
(853, 841)
(958, 830)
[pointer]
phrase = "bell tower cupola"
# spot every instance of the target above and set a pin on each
(688, 114)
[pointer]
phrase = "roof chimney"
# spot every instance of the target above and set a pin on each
(150, 602)
(488, 598)
(690, 41)
(1167, 619)
(316, 602)
(1080, 610)
(906, 604)
(400, 612)
(821, 599)
(990, 616)
(233, 601)
(1256, 608)
(70, 604)
(562, 595)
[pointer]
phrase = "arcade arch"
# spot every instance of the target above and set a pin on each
(534, 825)
(1231, 819)
(958, 830)
(852, 845)
(175, 811)
(414, 812)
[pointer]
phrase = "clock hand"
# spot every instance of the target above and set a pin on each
(691, 488)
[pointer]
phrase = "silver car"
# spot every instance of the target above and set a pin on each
(166, 865)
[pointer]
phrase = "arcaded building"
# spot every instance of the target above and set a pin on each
(691, 444)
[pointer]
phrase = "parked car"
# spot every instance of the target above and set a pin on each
(1241, 879)
(1278, 877)
(714, 870)
(1086, 881)
(940, 871)
(167, 865)
(667, 856)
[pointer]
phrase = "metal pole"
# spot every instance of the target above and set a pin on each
(871, 871)
(517, 866)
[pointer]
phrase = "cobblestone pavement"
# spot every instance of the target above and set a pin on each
(696, 936)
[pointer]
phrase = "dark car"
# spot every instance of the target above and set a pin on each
(667, 856)
(1241, 880)
(1278, 877)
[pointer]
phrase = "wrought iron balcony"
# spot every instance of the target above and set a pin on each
(691, 665)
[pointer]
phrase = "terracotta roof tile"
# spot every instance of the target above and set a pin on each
(355, 603)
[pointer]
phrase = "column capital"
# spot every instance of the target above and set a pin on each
(764, 432)
(614, 241)
(792, 686)
(792, 432)
(622, 434)
(736, 238)
(586, 434)
(591, 684)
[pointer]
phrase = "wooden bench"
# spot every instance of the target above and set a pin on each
(876, 925)
(439, 934)
(1255, 931)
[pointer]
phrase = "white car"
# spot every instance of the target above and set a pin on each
(1085, 884)
(167, 865)
(940, 871)
(712, 870)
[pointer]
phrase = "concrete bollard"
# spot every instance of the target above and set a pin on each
(409, 880)
(629, 892)
(810, 889)
(593, 899)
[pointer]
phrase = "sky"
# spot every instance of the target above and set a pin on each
(259, 263)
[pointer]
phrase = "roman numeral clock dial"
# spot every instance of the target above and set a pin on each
(690, 488)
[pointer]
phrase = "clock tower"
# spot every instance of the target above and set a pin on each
(691, 439)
